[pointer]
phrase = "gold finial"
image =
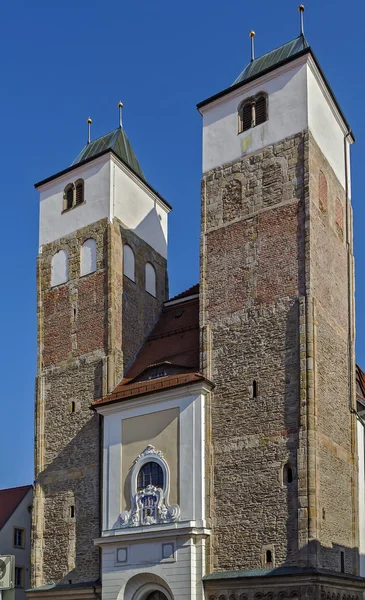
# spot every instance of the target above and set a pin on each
(252, 36)
(89, 121)
(120, 106)
(301, 11)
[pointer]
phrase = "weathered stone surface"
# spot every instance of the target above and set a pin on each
(88, 330)
(275, 309)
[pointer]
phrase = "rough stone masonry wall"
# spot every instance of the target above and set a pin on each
(336, 463)
(72, 348)
(82, 348)
(252, 257)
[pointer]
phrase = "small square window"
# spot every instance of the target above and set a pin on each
(19, 541)
(19, 577)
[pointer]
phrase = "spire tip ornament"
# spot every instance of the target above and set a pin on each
(120, 106)
(252, 36)
(301, 9)
(88, 121)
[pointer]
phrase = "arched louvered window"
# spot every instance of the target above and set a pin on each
(69, 196)
(88, 257)
(150, 279)
(74, 194)
(128, 262)
(59, 268)
(150, 474)
(252, 112)
(245, 117)
(260, 110)
(79, 185)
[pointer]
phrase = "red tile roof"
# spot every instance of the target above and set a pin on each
(141, 388)
(172, 346)
(9, 500)
(360, 382)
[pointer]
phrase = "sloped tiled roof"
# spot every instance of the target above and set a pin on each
(191, 291)
(116, 141)
(360, 383)
(272, 59)
(9, 500)
(172, 349)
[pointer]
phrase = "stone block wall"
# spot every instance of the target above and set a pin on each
(82, 352)
(252, 275)
(330, 270)
(275, 327)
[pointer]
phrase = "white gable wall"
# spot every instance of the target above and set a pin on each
(53, 223)
(138, 208)
(21, 518)
(287, 109)
(297, 99)
(111, 190)
(324, 124)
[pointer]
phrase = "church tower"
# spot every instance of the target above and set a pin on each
(102, 280)
(277, 321)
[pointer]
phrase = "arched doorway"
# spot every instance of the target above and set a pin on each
(156, 595)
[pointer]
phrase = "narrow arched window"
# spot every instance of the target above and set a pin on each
(252, 112)
(79, 185)
(128, 262)
(59, 268)
(88, 257)
(268, 558)
(68, 197)
(150, 279)
(288, 474)
(150, 474)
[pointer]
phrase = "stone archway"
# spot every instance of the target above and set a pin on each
(146, 585)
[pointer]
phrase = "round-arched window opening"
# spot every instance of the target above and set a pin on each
(150, 474)
(157, 595)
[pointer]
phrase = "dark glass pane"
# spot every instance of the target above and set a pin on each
(260, 110)
(150, 474)
(156, 596)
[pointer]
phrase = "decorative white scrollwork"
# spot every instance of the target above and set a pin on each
(149, 506)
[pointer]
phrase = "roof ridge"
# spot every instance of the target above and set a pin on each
(183, 293)
(16, 487)
(280, 46)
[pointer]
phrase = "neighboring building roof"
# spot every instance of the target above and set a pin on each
(272, 59)
(170, 355)
(9, 500)
(192, 291)
(118, 142)
(360, 383)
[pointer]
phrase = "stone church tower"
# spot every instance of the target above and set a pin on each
(277, 316)
(98, 219)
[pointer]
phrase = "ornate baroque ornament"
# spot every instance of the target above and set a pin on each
(150, 506)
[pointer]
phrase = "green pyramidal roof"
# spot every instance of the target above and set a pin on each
(116, 141)
(272, 59)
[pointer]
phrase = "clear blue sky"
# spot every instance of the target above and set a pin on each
(63, 61)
